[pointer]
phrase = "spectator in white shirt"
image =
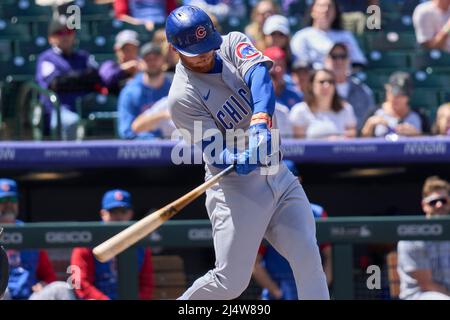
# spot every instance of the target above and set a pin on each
(432, 24)
(314, 42)
(323, 114)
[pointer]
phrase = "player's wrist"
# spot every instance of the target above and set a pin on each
(261, 117)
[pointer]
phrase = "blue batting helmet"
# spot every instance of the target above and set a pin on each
(190, 30)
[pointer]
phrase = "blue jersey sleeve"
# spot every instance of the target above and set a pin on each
(260, 84)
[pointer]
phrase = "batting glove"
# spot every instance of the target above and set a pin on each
(260, 143)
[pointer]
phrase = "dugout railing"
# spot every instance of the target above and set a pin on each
(342, 232)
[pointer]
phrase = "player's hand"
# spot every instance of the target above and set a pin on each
(242, 163)
(260, 143)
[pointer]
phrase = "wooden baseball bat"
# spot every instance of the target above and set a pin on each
(126, 238)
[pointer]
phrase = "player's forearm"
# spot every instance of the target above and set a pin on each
(260, 84)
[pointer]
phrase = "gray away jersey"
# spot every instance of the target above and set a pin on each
(221, 100)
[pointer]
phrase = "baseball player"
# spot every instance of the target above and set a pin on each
(222, 84)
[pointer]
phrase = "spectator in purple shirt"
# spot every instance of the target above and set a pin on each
(116, 74)
(68, 72)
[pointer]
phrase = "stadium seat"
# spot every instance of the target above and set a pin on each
(385, 41)
(96, 45)
(27, 10)
(6, 50)
(30, 48)
(13, 31)
(17, 69)
(387, 60)
(98, 114)
(112, 27)
(436, 81)
(402, 25)
(431, 61)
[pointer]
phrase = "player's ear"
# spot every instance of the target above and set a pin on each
(105, 215)
(172, 48)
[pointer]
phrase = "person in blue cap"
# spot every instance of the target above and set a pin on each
(99, 281)
(272, 271)
(31, 275)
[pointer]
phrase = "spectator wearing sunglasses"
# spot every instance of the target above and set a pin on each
(349, 88)
(424, 266)
(324, 29)
(68, 72)
(323, 114)
(99, 281)
(31, 275)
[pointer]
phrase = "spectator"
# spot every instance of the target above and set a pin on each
(171, 57)
(272, 271)
(68, 72)
(323, 113)
(432, 24)
(156, 118)
(260, 13)
(143, 91)
(277, 34)
(395, 115)
(314, 42)
(31, 275)
(442, 124)
(354, 14)
(143, 12)
(424, 266)
(351, 89)
(301, 71)
(116, 74)
(99, 281)
(285, 91)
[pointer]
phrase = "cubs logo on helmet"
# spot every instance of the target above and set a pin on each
(5, 187)
(245, 50)
(118, 196)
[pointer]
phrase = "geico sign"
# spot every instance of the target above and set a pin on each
(68, 237)
(419, 230)
(11, 238)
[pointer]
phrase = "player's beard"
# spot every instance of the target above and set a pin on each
(201, 67)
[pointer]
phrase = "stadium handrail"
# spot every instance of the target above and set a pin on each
(35, 89)
(342, 232)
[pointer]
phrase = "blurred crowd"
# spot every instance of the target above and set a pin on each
(315, 72)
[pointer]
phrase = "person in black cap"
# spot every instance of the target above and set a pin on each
(395, 115)
(143, 91)
(70, 73)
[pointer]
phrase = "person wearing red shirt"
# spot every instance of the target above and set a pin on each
(99, 281)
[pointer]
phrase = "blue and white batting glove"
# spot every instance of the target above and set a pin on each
(260, 143)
